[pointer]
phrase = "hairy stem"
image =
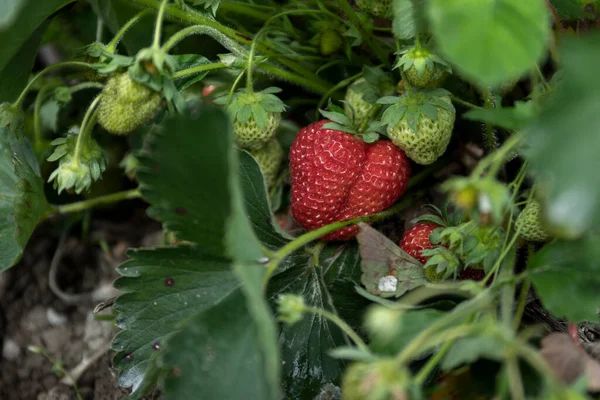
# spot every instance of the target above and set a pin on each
(112, 46)
(98, 201)
(198, 69)
(67, 64)
(89, 120)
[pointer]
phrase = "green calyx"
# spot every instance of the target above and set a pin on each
(256, 116)
(126, 105)
(442, 264)
(420, 66)
(529, 223)
(72, 173)
(340, 121)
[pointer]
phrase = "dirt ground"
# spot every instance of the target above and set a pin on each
(61, 321)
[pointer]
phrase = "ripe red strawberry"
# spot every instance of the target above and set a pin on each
(336, 176)
(416, 239)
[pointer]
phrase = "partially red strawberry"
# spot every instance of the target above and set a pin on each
(416, 239)
(337, 176)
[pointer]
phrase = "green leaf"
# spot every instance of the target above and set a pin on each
(177, 296)
(235, 339)
(518, 117)
(175, 190)
(387, 270)
(491, 42)
(573, 9)
(563, 141)
(185, 61)
(404, 25)
(15, 71)
(566, 277)
(468, 350)
(22, 200)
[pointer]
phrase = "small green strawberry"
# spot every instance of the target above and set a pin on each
(420, 123)
(529, 223)
(354, 104)
(361, 97)
(330, 41)
(381, 379)
(269, 160)
(126, 105)
(421, 68)
(256, 116)
(378, 8)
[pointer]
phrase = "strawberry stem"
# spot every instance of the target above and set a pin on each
(67, 64)
(198, 69)
(159, 22)
(112, 46)
(89, 120)
(340, 324)
(98, 201)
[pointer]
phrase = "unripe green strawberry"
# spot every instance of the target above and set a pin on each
(529, 223)
(269, 160)
(256, 116)
(421, 67)
(330, 42)
(382, 379)
(378, 8)
(250, 135)
(422, 126)
(354, 101)
(126, 105)
(432, 275)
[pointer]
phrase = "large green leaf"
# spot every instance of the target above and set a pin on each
(199, 199)
(564, 140)
(491, 42)
(22, 200)
(19, 42)
(566, 277)
(9, 9)
(192, 182)
(220, 345)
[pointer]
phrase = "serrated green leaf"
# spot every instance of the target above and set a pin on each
(22, 200)
(176, 194)
(389, 100)
(563, 140)
(490, 42)
(568, 270)
(207, 352)
(404, 25)
(338, 127)
(371, 137)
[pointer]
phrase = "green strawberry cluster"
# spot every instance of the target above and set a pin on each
(256, 117)
(529, 223)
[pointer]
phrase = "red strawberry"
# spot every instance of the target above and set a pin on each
(416, 239)
(336, 176)
(475, 274)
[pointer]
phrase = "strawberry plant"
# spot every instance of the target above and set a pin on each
(287, 149)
